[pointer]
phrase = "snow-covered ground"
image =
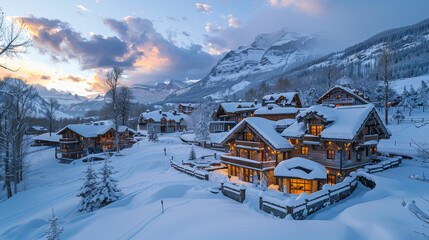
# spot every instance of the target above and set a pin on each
(191, 211)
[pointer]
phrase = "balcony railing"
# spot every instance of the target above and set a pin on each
(339, 100)
(228, 159)
(312, 138)
(61, 150)
(367, 138)
(250, 144)
(68, 140)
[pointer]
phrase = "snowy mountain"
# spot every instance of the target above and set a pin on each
(409, 47)
(269, 56)
(150, 94)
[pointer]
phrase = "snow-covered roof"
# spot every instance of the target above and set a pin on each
(345, 89)
(157, 115)
(233, 107)
(342, 122)
(193, 105)
(94, 129)
(285, 122)
(45, 137)
(265, 128)
(301, 168)
(38, 128)
(274, 109)
(274, 97)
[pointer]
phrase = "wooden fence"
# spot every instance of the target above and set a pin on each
(385, 163)
(238, 193)
(202, 175)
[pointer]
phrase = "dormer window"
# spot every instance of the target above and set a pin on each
(315, 129)
(338, 96)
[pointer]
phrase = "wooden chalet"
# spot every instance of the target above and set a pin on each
(287, 99)
(343, 96)
(187, 108)
(165, 122)
(79, 140)
(46, 139)
(255, 150)
(230, 113)
(342, 138)
(36, 130)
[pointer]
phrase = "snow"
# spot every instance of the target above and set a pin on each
(266, 129)
(344, 122)
(274, 109)
(274, 97)
(345, 89)
(157, 115)
(415, 82)
(192, 212)
(232, 107)
(302, 168)
(45, 137)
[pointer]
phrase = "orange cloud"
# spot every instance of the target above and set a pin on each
(151, 60)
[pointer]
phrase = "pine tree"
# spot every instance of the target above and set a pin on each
(255, 180)
(192, 155)
(423, 95)
(398, 116)
(263, 183)
(54, 231)
(407, 104)
(88, 192)
(108, 190)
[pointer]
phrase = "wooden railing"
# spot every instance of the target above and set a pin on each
(226, 158)
(62, 150)
(238, 193)
(250, 144)
(367, 138)
(68, 139)
(312, 138)
(338, 100)
(202, 175)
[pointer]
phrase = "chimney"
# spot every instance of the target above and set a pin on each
(239, 100)
(256, 101)
(270, 107)
(160, 111)
(175, 112)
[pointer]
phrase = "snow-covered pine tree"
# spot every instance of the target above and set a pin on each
(398, 116)
(192, 155)
(54, 231)
(154, 135)
(423, 95)
(88, 192)
(407, 104)
(108, 190)
(255, 180)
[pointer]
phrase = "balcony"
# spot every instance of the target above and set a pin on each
(68, 140)
(244, 162)
(250, 144)
(367, 138)
(339, 100)
(75, 150)
(311, 138)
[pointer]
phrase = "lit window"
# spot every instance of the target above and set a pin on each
(331, 154)
(349, 154)
(304, 150)
(331, 179)
(249, 136)
(299, 186)
(315, 130)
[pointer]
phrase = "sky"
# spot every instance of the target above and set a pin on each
(75, 42)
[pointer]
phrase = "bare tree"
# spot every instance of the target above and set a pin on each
(383, 68)
(13, 38)
(331, 73)
(18, 106)
(50, 107)
(111, 81)
(125, 95)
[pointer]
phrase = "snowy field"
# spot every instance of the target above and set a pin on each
(191, 211)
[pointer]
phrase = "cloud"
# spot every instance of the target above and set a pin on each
(216, 45)
(233, 21)
(73, 78)
(213, 28)
(308, 6)
(203, 8)
(83, 8)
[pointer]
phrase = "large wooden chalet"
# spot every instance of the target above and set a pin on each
(78, 140)
(166, 122)
(187, 108)
(336, 139)
(230, 113)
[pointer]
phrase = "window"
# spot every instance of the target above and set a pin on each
(337, 96)
(349, 154)
(315, 129)
(304, 150)
(373, 150)
(229, 127)
(331, 179)
(331, 154)
(299, 186)
(249, 137)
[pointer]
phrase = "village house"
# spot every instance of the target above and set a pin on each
(46, 139)
(255, 150)
(322, 145)
(230, 113)
(286, 99)
(79, 140)
(341, 95)
(36, 130)
(342, 139)
(187, 108)
(165, 122)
